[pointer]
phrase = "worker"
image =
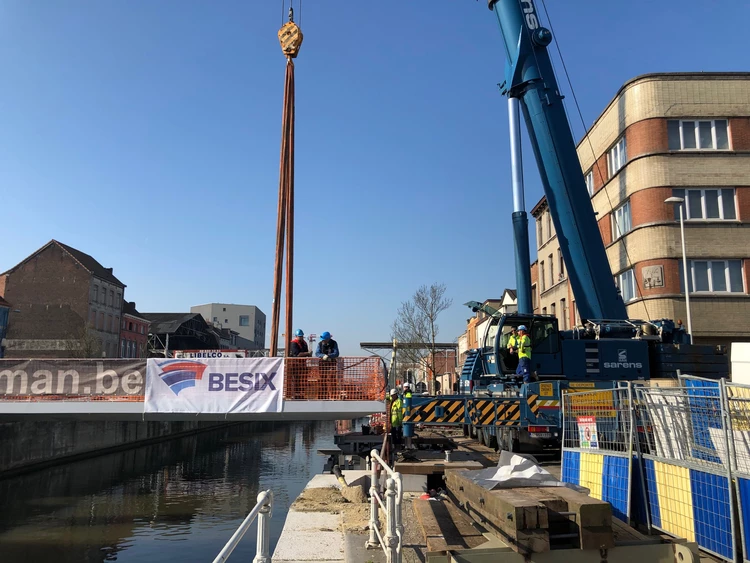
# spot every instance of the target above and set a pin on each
(407, 390)
(397, 417)
(328, 351)
(524, 354)
(512, 340)
(328, 348)
(298, 347)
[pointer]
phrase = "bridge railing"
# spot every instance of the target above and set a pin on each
(339, 379)
(124, 380)
(262, 511)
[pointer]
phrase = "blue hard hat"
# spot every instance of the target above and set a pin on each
(523, 327)
(325, 336)
(299, 332)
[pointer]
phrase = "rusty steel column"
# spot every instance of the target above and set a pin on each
(290, 38)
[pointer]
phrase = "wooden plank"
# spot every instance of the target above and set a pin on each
(445, 527)
(517, 517)
(593, 516)
(433, 467)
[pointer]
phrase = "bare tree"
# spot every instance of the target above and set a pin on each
(416, 324)
(83, 344)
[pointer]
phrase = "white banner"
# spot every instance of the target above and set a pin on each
(226, 385)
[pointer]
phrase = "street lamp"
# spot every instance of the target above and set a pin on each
(680, 201)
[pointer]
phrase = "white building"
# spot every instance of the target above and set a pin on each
(247, 320)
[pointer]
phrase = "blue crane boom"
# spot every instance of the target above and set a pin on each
(530, 78)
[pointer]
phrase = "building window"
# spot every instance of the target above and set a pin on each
(116, 326)
(539, 233)
(224, 310)
(553, 309)
(561, 262)
(226, 321)
(541, 276)
(96, 293)
(616, 157)
(92, 319)
(563, 314)
(122, 349)
(551, 271)
(534, 300)
(548, 217)
(713, 204)
(142, 329)
(244, 320)
(100, 324)
(544, 310)
(621, 222)
(626, 282)
(130, 327)
(590, 182)
(714, 276)
(698, 135)
(216, 320)
(119, 299)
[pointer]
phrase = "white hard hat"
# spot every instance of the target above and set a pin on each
(394, 392)
(407, 385)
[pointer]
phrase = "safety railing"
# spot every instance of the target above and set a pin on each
(598, 445)
(336, 379)
(262, 511)
(391, 505)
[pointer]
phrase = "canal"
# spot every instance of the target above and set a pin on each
(175, 501)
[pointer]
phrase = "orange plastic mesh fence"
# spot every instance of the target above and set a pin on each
(339, 379)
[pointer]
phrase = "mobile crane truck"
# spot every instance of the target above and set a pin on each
(608, 348)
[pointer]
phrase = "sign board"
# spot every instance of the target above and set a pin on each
(546, 390)
(587, 432)
(653, 276)
(195, 354)
(215, 385)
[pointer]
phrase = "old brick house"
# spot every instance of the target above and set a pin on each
(65, 304)
(133, 333)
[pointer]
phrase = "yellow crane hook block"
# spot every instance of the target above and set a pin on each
(290, 37)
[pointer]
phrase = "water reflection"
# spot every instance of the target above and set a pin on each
(174, 501)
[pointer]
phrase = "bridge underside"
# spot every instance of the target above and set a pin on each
(128, 411)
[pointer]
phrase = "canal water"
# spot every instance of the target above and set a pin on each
(176, 501)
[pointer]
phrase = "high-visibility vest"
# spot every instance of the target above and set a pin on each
(397, 415)
(524, 346)
(512, 341)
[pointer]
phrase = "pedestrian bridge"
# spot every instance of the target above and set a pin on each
(204, 389)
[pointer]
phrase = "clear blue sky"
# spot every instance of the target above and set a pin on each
(146, 133)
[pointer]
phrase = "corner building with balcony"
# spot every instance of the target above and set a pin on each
(684, 135)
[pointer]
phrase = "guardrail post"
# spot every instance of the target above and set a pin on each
(263, 547)
(374, 522)
(398, 517)
(391, 534)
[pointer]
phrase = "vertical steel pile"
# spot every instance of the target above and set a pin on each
(290, 37)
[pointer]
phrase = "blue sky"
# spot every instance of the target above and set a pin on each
(146, 133)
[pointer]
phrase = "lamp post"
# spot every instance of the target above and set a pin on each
(680, 201)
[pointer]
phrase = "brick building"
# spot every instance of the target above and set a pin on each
(65, 303)
(675, 134)
(133, 333)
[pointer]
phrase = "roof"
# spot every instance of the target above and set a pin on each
(87, 262)
(666, 76)
(511, 292)
(162, 323)
(539, 207)
(3, 302)
(128, 308)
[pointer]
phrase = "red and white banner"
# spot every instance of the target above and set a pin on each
(226, 385)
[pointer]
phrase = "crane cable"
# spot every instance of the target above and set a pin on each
(596, 161)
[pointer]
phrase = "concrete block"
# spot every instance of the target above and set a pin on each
(310, 536)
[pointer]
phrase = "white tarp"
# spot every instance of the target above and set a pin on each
(517, 471)
(226, 385)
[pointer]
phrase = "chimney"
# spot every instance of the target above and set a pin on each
(109, 270)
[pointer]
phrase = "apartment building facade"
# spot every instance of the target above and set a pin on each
(683, 135)
(247, 320)
(133, 333)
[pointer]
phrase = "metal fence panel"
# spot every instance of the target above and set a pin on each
(738, 416)
(598, 445)
(686, 463)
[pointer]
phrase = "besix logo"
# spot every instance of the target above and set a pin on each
(179, 374)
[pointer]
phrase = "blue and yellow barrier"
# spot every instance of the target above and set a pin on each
(606, 476)
(691, 504)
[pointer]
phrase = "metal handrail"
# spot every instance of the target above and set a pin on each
(263, 511)
(391, 505)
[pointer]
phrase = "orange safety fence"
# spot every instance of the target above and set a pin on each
(339, 379)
